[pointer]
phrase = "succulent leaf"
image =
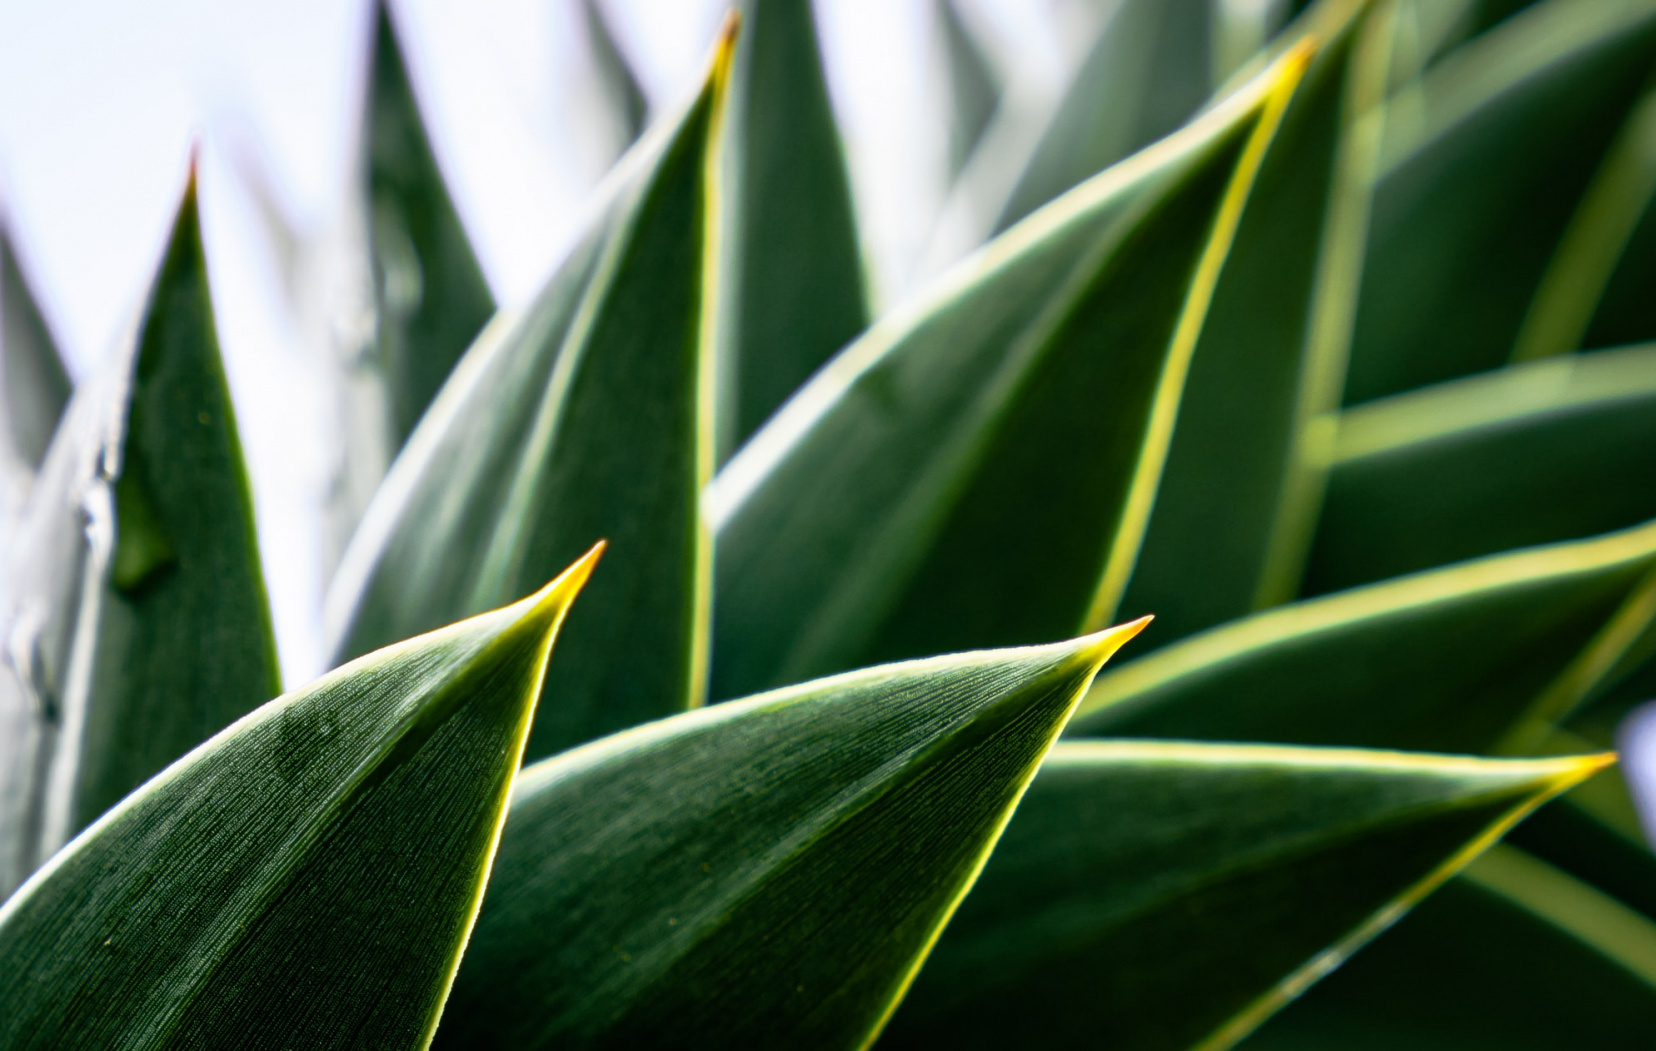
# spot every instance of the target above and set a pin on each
(136, 619)
(978, 470)
(585, 415)
(32, 380)
(764, 873)
(306, 878)
(1171, 895)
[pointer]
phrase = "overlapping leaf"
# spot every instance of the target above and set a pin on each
(974, 87)
(1553, 450)
(136, 620)
(1515, 956)
(797, 290)
(1487, 158)
(429, 290)
(1152, 895)
(912, 498)
(307, 878)
(764, 873)
(1454, 660)
(586, 415)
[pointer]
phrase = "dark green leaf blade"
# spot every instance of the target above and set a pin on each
(32, 379)
(1163, 895)
(1271, 348)
(1481, 184)
(977, 470)
(136, 611)
(1558, 449)
(797, 291)
(764, 873)
(1146, 74)
(1515, 955)
(430, 294)
(305, 879)
(586, 415)
(1453, 660)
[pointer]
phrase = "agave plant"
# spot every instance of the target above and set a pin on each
(1326, 354)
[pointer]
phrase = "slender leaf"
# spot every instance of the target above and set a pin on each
(305, 879)
(977, 470)
(429, 289)
(1553, 450)
(797, 292)
(1454, 660)
(1487, 158)
(764, 873)
(1155, 895)
(1514, 956)
(624, 95)
(136, 617)
(32, 380)
(1149, 70)
(1270, 347)
(974, 87)
(586, 415)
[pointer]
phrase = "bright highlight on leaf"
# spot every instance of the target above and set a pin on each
(765, 873)
(1164, 895)
(308, 877)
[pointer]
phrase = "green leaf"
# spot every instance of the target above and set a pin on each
(797, 292)
(615, 76)
(1487, 156)
(136, 619)
(584, 416)
(1155, 895)
(307, 878)
(977, 470)
(764, 873)
(1456, 660)
(1145, 75)
(35, 387)
(430, 294)
(1552, 450)
(974, 87)
(1514, 956)
(1271, 348)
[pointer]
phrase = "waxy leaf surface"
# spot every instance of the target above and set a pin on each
(135, 612)
(763, 873)
(1155, 895)
(1559, 449)
(977, 470)
(305, 879)
(584, 416)
(32, 381)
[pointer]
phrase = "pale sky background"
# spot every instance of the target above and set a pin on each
(100, 101)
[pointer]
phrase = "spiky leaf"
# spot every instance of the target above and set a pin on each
(136, 613)
(1154, 895)
(977, 470)
(765, 873)
(32, 379)
(307, 878)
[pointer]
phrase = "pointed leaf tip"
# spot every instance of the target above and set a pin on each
(553, 601)
(1102, 645)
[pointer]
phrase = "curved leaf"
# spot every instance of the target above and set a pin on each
(32, 380)
(764, 873)
(627, 105)
(430, 294)
(586, 415)
(1453, 660)
(977, 471)
(1167, 895)
(1487, 158)
(1552, 450)
(1515, 956)
(308, 877)
(974, 87)
(1272, 346)
(136, 619)
(797, 293)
